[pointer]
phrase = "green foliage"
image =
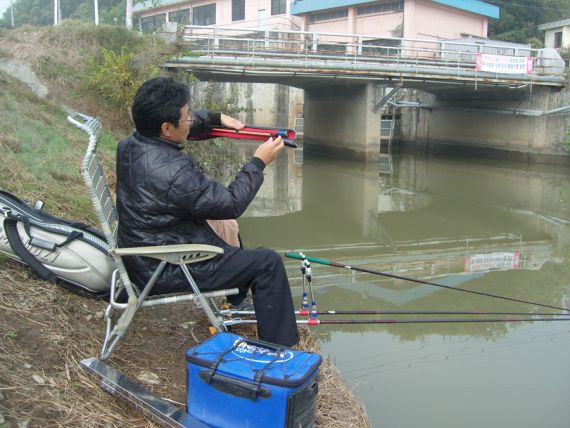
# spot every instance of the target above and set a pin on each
(110, 37)
(115, 77)
(565, 54)
(41, 152)
(10, 334)
(218, 158)
(40, 12)
(519, 20)
(211, 96)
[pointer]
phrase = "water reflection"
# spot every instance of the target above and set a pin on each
(452, 220)
(490, 226)
(281, 192)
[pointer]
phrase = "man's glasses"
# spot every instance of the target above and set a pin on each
(189, 119)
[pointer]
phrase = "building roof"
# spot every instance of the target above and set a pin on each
(478, 7)
(555, 24)
(486, 41)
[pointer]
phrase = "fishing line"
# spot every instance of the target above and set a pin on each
(419, 281)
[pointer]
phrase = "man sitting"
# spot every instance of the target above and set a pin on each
(163, 199)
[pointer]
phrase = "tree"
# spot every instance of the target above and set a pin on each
(40, 12)
(519, 20)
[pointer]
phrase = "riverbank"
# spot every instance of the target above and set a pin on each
(45, 330)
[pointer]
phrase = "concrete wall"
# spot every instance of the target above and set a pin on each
(450, 125)
(261, 104)
(431, 20)
(339, 121)
(549, 37)
(420, 19)
(386, 24)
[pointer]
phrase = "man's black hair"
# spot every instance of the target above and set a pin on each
(158, 100)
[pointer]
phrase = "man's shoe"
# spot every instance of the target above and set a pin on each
(245, 305)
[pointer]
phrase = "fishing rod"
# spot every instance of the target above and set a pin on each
(304, 312)
(326, 262)
(474, 313)
(249, 132)
(316, 321)
(420, 321)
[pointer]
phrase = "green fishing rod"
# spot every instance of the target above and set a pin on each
(326, 262)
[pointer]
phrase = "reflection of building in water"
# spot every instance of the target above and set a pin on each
(281, 192)
(430, 258)
(395, 199)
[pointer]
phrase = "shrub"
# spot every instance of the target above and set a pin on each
(115, 77)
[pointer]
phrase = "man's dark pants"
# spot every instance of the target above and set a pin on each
(263, 271)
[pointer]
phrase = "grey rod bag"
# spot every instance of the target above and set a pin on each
(57, 250)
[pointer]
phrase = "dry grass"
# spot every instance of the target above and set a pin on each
(60, 56)
(45, 331)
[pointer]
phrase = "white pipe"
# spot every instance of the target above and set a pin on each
(96, 7)
(129, 15)
(513, 111)
(12, 12)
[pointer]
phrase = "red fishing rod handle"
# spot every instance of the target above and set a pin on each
(256, 133)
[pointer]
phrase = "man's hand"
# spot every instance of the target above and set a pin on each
(230, 122)
(269, 150)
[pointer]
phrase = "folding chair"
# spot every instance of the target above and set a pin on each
(180, 255)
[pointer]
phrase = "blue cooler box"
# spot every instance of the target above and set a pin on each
(238, 382)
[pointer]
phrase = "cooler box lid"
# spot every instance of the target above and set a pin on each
(233, 355)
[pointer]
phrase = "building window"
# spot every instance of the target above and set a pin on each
(150, 24)
(204, 15)
(325, 16)
(558, 40)
(278, 7)
(238, 10)
(181, 17)
(381, 47)
(381, 8)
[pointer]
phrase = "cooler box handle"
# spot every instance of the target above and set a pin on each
(235, 387)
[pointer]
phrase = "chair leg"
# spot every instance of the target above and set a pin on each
(120, 328)
(108, 324)
(214, 320)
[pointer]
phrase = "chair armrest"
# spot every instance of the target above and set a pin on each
(175, 254)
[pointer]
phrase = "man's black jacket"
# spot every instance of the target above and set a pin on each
(162, 199)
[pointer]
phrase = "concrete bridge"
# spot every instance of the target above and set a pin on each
(342, 75)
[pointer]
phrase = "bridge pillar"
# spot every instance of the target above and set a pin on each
(340, 121)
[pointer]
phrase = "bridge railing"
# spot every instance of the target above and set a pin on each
(354, 48)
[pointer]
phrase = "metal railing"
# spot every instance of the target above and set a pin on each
(354, 49)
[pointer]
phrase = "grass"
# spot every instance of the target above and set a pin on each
(45, 330)
(42, 152)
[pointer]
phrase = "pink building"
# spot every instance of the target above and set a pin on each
(274, 14)
(423, 19)
(412, 19)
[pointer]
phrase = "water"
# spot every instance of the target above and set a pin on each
(490, 226)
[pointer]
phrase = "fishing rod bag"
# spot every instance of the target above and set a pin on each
(72, 254)
(234, 382)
